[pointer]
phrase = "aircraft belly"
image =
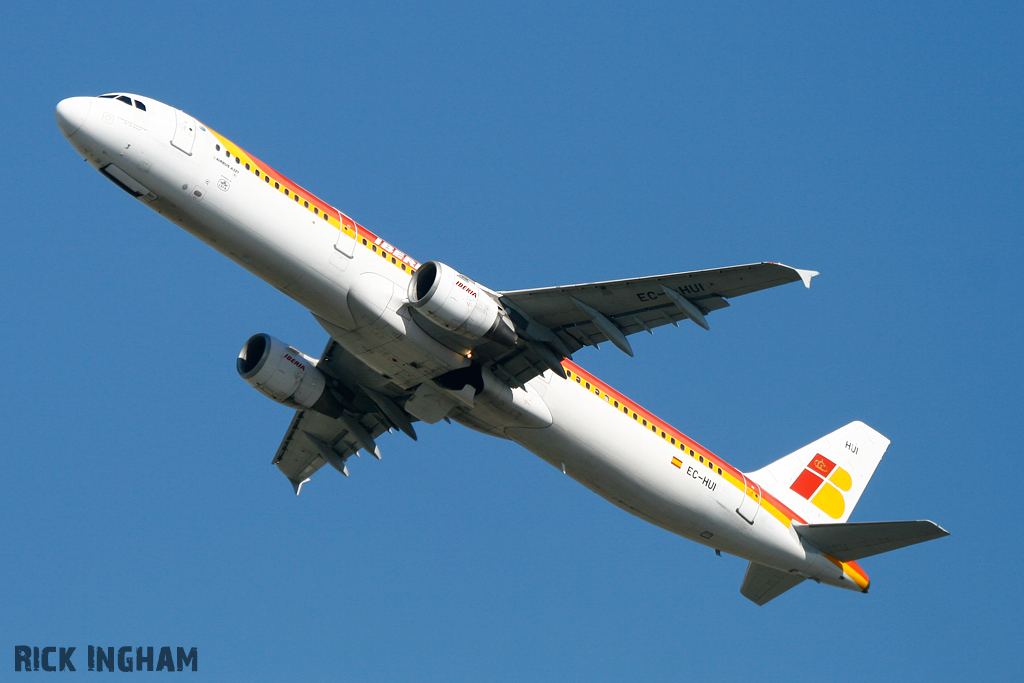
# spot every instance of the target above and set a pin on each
(626, 464)
(609, 454)
(272, 239)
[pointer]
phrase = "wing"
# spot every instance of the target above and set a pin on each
(565, 319)
(314, 440)
(552, 323)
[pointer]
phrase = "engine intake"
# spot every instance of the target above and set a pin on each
(459, 304)
(286, 375)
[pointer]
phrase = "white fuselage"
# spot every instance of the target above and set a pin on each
(355, 284)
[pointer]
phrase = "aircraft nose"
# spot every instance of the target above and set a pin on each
(71, 114)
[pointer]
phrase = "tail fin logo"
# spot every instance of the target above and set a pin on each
(821, 482)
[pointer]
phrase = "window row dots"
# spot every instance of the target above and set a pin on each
(277, 185)
(642, 420)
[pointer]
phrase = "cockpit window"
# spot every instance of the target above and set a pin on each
(124, 98)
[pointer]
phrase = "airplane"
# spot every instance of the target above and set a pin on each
(421, 342)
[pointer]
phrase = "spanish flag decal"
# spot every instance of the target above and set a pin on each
(821, 482)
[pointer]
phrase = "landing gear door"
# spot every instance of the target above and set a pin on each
(184, 132)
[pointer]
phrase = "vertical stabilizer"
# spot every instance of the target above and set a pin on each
(823, 481)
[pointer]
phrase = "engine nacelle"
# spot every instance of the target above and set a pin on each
(286, 375)
(459, 304)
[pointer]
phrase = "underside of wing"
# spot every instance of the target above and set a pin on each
(638, 304)
(314, 439)
(558, 321)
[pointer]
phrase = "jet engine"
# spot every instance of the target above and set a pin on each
(459, 304)
(286, 375)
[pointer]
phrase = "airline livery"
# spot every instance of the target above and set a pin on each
(421, 342)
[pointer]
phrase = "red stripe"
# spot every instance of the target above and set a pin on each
(295, 188)
(680, 437)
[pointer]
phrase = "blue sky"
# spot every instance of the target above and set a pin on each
(527, 145)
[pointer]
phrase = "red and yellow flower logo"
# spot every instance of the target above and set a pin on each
(821, 483)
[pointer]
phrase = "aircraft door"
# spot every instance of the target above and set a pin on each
(751, 501)
(345, 243)
(184, 132)
(347, 237)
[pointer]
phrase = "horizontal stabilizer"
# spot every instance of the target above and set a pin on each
(761, 583)
(849, 542)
